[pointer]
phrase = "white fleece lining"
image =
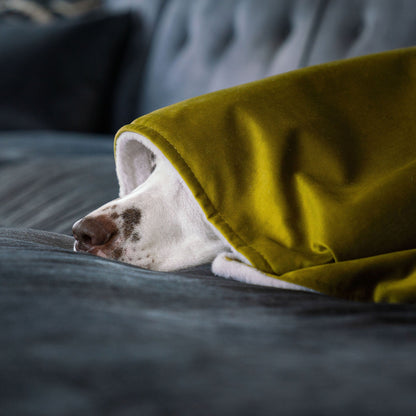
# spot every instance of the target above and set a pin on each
(133, 158)
(133, 167)
(230, 267)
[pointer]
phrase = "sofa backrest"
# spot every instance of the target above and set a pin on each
(359, 27)
(203, 45)
(198, 46)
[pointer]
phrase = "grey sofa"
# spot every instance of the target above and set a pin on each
(83, 335)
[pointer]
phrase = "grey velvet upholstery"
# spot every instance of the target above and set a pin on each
(359, 27)
(88, 336)
(200, 46)
(84, 336)
(49, 178)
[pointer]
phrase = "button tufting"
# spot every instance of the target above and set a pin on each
(356, 30)
(182, 40)
(223, 42)
(283, 30)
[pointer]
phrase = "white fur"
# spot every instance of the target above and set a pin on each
(172, 233)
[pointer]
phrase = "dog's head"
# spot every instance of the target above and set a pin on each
(158, 226)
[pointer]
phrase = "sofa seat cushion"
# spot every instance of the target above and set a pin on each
(50, 179)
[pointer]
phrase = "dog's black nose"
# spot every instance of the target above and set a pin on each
(93, 231)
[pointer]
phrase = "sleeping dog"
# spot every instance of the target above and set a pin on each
(157, 226)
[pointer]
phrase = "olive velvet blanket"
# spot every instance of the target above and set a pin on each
(310, 176)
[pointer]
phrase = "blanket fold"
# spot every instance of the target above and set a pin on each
(310, 175)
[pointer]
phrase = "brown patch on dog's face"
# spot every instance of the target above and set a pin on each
(131, 217)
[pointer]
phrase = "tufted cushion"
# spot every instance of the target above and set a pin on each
(204, 45)
(358, 27)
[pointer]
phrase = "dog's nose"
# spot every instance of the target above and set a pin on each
(93, 231)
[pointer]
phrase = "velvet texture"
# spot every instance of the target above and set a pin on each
(311, 175)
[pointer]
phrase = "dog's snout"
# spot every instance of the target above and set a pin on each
(93, 231)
